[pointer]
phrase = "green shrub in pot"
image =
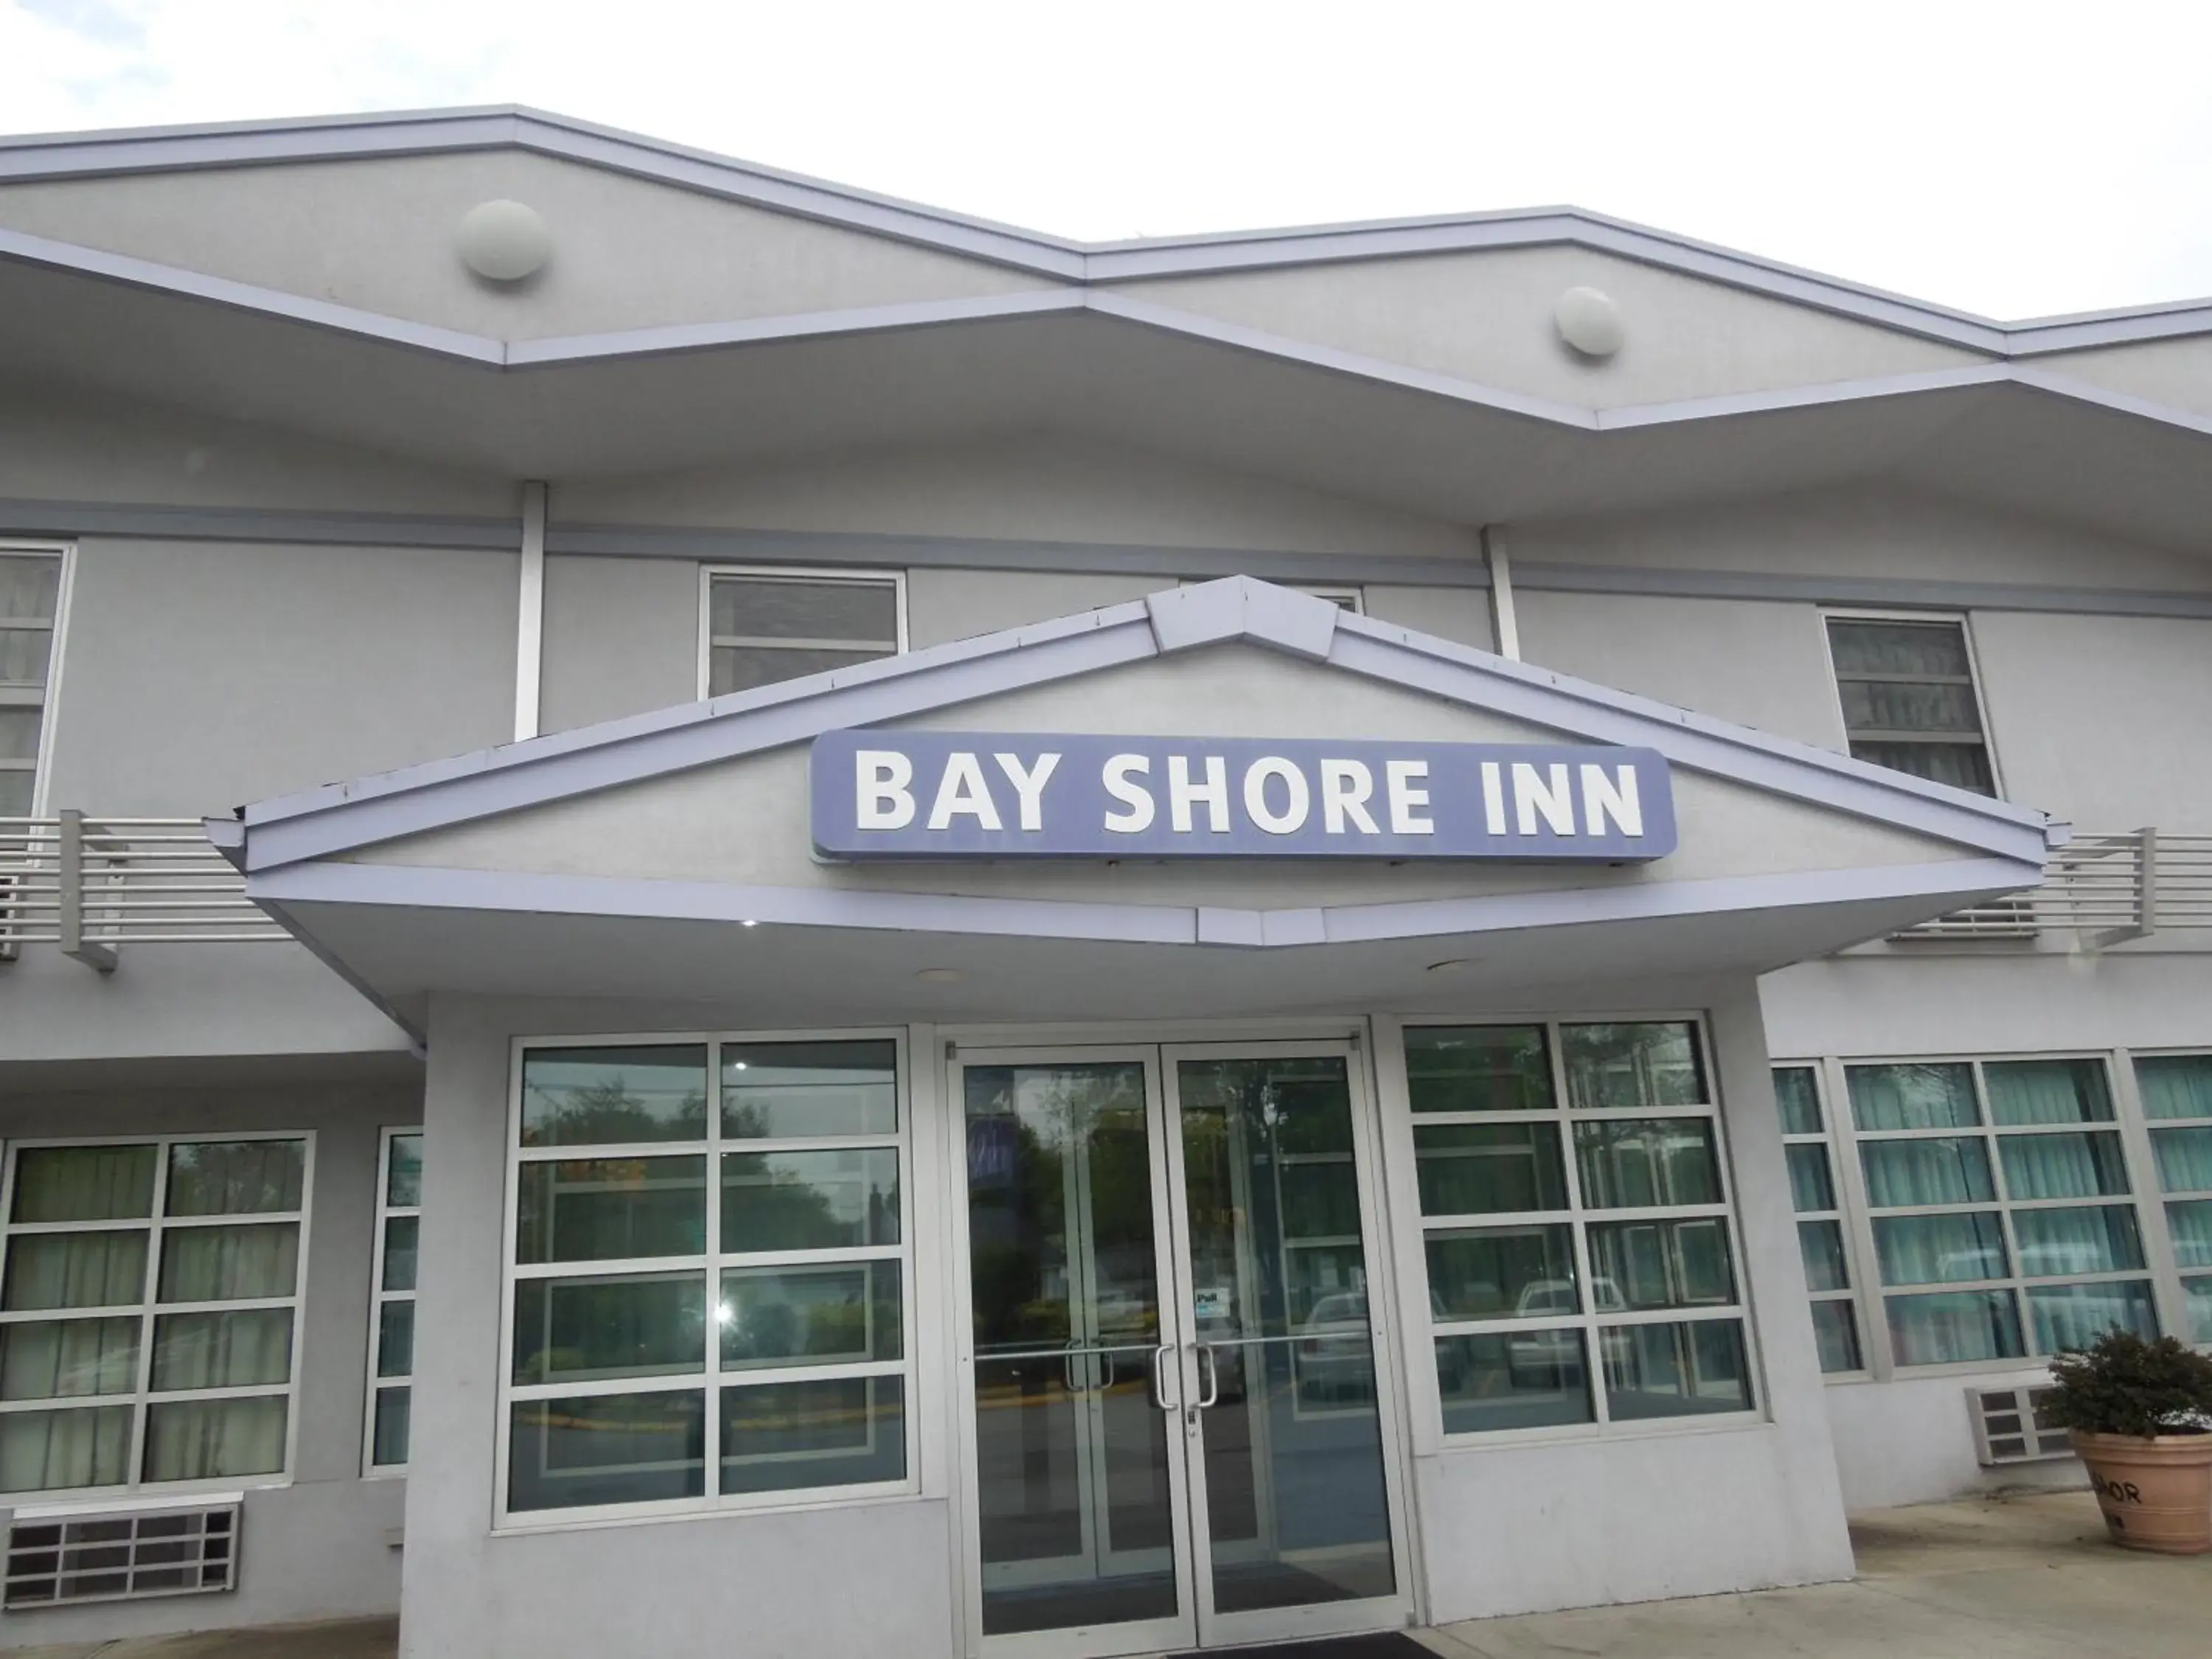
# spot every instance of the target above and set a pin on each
(2140, 1414)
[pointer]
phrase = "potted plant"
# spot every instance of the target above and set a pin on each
(2141, 1417)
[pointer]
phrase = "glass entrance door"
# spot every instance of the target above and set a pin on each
(1180, 1431)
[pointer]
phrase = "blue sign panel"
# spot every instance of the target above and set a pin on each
(1028, 794)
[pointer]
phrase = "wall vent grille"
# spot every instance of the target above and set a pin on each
(60, 1560)
(2009, 1427)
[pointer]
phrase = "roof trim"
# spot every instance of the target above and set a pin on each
(342, 818)
(153, 150)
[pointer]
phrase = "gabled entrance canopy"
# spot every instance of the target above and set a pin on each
(668, 856)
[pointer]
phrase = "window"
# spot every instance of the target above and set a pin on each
(762, 626)
(391, 1303)
(1574, 1204)
(1998, 1194)
(710, 1271)
(2177, 1099)
(1909, 699)
(1820, 1217)
(1354, 599)
(30, 603)
(149, 1303)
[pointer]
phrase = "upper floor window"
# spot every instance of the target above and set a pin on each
(149, 1300)
(30, 601)
(1909, 701)
(765, 626)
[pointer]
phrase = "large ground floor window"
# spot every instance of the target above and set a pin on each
(149, 1298)
(710, 1274)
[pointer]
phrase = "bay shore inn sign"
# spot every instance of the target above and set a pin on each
(1129, 988)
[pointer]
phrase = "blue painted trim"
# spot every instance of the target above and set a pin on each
(342, 817)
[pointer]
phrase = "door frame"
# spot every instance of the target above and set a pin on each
(1157, 1045)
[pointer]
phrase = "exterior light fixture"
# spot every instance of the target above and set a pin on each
(1590, 322)
(504, 241)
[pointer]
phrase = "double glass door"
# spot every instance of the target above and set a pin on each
(1180, 1432)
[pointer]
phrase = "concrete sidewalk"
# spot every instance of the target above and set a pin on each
(2023, 1577)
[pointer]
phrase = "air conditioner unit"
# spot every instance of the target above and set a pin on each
(62, 1558)
(2009, 1427)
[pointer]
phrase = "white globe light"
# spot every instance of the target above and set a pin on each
(504, 241)
(1589, 322)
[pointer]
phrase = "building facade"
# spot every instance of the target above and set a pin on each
(735, 912)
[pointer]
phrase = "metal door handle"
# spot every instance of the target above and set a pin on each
(1209, 1368)
(1159, 1376)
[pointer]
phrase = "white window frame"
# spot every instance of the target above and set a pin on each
(150, 1308)
(1839, 1213)
(379, 1298)
(48, 694)
(710, 1381)
(1964, 620)
(850, 575)
(1422, 1328)
(2182, 1323)
(1874, 1331)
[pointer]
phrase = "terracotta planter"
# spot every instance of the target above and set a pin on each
(2156, 1492)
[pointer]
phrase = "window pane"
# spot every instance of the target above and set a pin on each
(788, 608)
(75, 1270)
(809, 1315)
(583, 1097)
(1939, 1097)
(1932, 648)
(1661, 1264)
(1478, 1068)
(2075, 1316)
(2102, 1240)
(30, 586)
(2175, 1085)
(229, 1264)
(1319, 1201)
(1520, 1272)
(403, 1183)
(1810, 1186)
(2191, 1226)
(389, 1446)
(2062, 1165)
(222, 1349)
(1675, 1370)
(810, 1200)
(2200, 1309)
(1821, 1243)
(1895, 706)
(2184, 1159)
(1632, 1066)
(610, 1209)
(1641, 1162)
(1797, 1095)
(19, 733)
(1836, 1334)
(395, 1339)
(1900, 1173)
(579, 1330)
(215, 1439)
(2048, 1091)
(790, 1090)
(1489, 1169)
(1521, 1380)
(84, 1184)
(746, 668)
(236, 1178)
(25, 654)
(606, 1448)
(63, 1358)
(51, 1451)
(402, 1235)
(1939, 1249)
(831, 1431)
(16, 793)
(1954, 1326)
(1961, 765)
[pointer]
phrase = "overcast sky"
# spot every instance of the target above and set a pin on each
(2015, 161)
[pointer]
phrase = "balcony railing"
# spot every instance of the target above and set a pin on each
(2108, 888)
(92, 886)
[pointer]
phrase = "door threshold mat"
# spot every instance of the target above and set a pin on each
(1374, 1644)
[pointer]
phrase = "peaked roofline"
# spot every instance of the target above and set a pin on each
(340, 818)
(74, 155)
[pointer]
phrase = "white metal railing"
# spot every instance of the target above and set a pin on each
(89, 885)
(2110, 888)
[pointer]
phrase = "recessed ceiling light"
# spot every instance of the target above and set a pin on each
(940, 976)
(749, 922)
(1450, 967)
